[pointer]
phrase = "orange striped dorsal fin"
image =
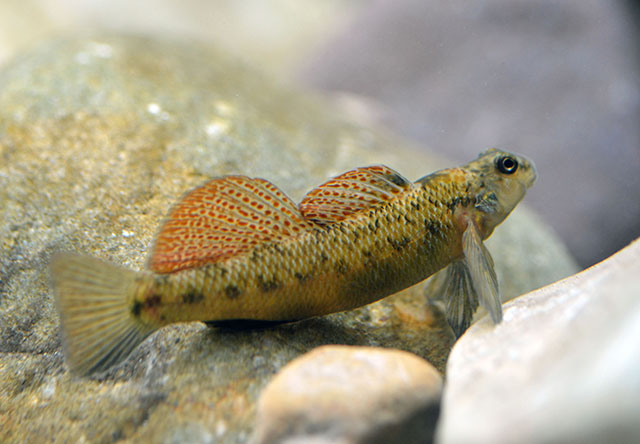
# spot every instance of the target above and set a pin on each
(352, 192)
(223, 218)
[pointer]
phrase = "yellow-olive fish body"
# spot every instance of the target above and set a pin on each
(239, 249)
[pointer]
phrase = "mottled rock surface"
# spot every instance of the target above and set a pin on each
(564, 365)
(98, 138)
(351, 395)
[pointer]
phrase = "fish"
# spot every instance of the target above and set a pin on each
(238, 248)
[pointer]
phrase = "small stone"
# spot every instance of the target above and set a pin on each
(351, 395)
(563, 366)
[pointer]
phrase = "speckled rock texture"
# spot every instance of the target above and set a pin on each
(352, 395)
(564, 365)
(98, 138)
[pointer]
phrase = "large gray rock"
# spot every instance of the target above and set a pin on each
(351, 395)
(564, 365)
(98, 138)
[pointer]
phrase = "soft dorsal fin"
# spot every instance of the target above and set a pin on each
(225, 217)
(354, 191)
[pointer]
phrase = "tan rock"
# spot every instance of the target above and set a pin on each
(351, 395)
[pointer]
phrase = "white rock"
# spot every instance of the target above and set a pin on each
(563, 366)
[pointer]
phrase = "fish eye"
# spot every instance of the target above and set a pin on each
(507, 164)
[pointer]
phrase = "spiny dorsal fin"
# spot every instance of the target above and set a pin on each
(223, 218)
(354, 191)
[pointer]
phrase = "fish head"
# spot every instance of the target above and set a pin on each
(502, 180)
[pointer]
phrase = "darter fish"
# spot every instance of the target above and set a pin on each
(238, 248)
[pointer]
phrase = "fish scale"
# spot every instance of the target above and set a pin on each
(238, 248)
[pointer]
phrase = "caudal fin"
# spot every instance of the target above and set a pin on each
(93, 300)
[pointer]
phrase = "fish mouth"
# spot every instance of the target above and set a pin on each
(533, 174)
(532, 179)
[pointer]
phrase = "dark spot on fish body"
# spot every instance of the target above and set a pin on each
(370, 256)
(453, 203)
(323, 257)
(255, 256)
(398, 244)
(267, 285)
(301, 277)
(152, 301)
(319, 231)
(136, 309)
(192, 297)
(432, 227)
(232, 291)
(342, 267)
(223, 271)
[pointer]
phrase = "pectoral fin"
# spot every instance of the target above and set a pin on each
(482, 272)
(453, 286)
(467, 282)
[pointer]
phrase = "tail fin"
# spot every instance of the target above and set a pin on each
(93, 300)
